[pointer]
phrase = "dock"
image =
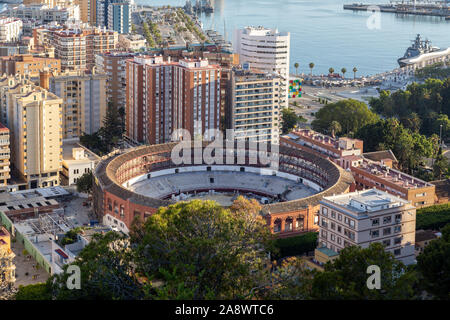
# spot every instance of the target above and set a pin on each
(438, 9)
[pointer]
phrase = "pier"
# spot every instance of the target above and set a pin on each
(436, 9)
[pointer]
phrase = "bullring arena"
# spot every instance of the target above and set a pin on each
(135, 183)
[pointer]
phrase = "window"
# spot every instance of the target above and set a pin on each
(387, 242)
(333, 225)
(333, 214)
(387, 220)
(324, 234)
(346, 220)
(375, 222)
(398, 218)
(386, 231)
(397, 252)
(339, 217)
(333, 237)
(397, 229)
(325, 211)
(423, 194)
(339, 229)
(324, 223)
(398, 240)
(349, 234)
(375, 233)
(352, 224)
(339, 240)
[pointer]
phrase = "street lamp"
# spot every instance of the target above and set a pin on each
(440, 135)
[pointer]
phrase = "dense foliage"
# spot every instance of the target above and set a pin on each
(350, 114)
(434, 266)
(39, 291)
(437, 70)
(289, 120)
(433, 217)
(109, 135)
(296, 246)
(421, 107)
(409, 147)
(84, 183)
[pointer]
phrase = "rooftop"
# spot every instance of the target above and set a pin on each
(425, 235)
(367, 200)
(318, 138)
(74, 152)
(328, 252)
(392, 176)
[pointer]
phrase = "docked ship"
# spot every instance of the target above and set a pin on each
(421, 53)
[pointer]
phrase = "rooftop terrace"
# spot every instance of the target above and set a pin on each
(392, 176)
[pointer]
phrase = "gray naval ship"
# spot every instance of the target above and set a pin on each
(419, 48)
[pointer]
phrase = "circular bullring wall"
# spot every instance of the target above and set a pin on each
(118, 200)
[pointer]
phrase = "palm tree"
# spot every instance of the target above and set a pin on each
(354, 72)
(331, 71)
(335, 128)
(296, 65)
(311, 66)
(343, 70)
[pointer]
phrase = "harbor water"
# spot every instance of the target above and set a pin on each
(324, 33)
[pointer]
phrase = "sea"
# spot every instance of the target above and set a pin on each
(324, 33)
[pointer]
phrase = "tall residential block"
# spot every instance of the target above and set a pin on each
(28, 64)
(113, 63)
(119, 17)
(365, 217)
(163, 96)
(114, 14)
(266, 50)
(88, 11)
(10, 29)
(5, 156)
(77, 45)
(253, 108)
(37, 136)
(84, 99)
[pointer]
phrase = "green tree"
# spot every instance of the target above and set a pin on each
(311, 66)
(344, 71)
(289, 120)
(296, 65)
(354, 72)
(434, 265)
(84, 183)
(346, 277)
(111, 132)
(335, 128)
(106, 269)
(440, 166)
(39, 291)
(351, 115)
(219, 253)
(331, 71)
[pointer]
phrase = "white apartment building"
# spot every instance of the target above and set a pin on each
(368, 216)
(254, 106)
(43, 13)
(10, 29)
(266, 50)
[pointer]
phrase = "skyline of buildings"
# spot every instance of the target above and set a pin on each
(70, 60)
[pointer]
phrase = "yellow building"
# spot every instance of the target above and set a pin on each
(7, 268)
(37, 136)
(84, 99)
(321, 257)
(4, 156)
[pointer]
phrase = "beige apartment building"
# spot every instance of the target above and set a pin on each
(113, 64)
(84, 99)
(254, 105)
(5, 156)
(76, 45)
(37, 136)
(364, 217)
